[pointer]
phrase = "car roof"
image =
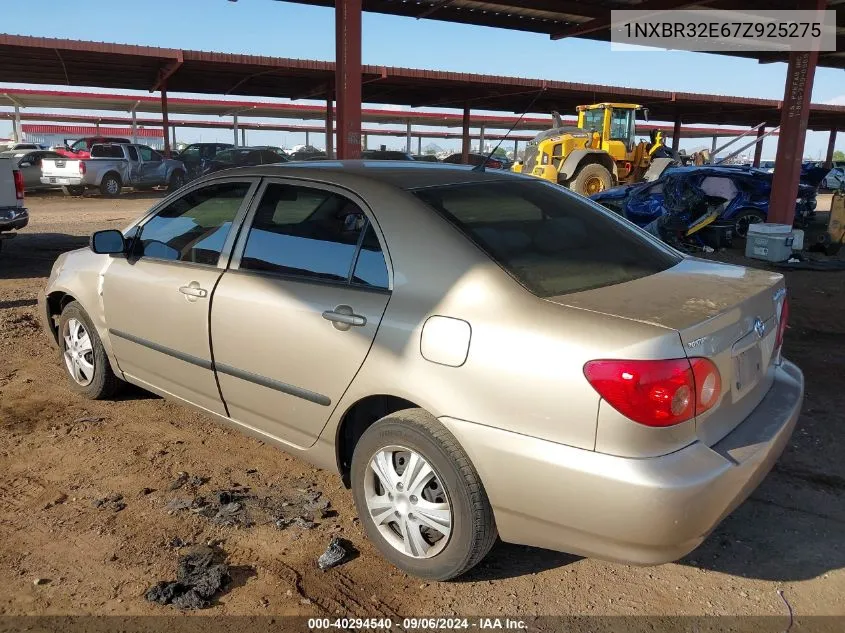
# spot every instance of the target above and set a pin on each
(399, 174)
(723, 170)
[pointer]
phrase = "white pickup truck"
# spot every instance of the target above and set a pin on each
(13, 215)
(112, 167)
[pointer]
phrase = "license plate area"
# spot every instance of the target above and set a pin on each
(748, 367)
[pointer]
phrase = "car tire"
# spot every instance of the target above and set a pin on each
(745, 218)
(83, 355)
(73, 190)
(111, 186)
(591, 179)
(448, 491)
(176, 182)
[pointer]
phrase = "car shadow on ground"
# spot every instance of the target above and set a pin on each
(510, 561)
(30, 255)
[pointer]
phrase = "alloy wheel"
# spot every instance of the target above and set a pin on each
(407, 502)
(78, 352)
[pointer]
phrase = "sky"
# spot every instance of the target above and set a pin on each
(283, 29)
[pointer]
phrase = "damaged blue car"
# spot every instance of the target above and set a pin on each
(745, 190)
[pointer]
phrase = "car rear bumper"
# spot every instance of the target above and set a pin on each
(641, 511)
(13, 218)
(66, 181)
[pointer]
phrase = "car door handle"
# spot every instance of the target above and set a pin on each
(193, 290)
(343, 316)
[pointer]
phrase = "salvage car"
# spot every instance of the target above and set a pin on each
(82, 147)
(242, 157)
(747, 191)
(490, 162)
(113, 167)
(29, 163)
(196, 155)
(554, 375)
(13, 215)
(835, 179)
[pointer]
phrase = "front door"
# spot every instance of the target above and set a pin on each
(294, 319)
(156, 300)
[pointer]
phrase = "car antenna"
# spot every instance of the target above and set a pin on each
(481, 166)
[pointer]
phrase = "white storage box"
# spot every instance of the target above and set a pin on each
(769, 242)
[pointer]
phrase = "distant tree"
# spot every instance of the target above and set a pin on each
(839, 155)
(500, 151)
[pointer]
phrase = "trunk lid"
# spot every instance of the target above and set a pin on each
(59, 167)
(728, 314)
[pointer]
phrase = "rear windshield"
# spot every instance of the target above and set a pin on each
(107, 151)
(552, 241)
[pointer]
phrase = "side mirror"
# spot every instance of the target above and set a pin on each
(645, 114)
(108, 242)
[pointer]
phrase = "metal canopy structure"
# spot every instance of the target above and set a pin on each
(119, 66)
(588, 19)
(75, 100)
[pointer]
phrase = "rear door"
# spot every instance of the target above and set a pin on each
(133, 171)
(294, 318)
(156, 301)
(152, 166)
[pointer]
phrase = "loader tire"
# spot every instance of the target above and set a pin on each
(591, 179)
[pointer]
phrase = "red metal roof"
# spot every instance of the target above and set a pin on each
(261, 109)
(118, 66)
(86, 130)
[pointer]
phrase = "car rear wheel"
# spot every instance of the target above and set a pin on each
(84, 357)
(73, 190)
(591, 179)
(744, 219)
(111, 186)
(419, 498)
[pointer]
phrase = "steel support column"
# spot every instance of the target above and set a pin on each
(515, 149)
(348, 77)
(235, 128)
(481, 132)
(676, 134)
(831, 143)
(713, 145)
(307, 139)
(243, 136)
(165, 123)
(17, 131)
(465, 138)
(793, 131)
(173, 132)
(134, 126)
(419, 146)
(408, 137)
(329, 125)
(758, 149)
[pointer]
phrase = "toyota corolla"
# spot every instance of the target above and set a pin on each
(475, 353)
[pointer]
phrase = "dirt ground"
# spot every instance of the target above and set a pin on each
(59, 453)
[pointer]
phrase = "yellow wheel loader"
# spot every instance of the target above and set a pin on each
(601, 152)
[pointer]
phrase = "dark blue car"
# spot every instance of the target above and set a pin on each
(747, 190)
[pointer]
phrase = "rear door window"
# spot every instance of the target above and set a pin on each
(551, 241)
(313, 234)
(107, 151)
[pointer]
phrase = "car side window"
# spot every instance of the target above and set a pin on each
(370, 267)
(148, 154)
(132, 152)
(310, 233)
(194, 227)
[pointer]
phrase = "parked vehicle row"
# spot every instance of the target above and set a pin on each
(111, 167)
(30, 163)
(636, 396)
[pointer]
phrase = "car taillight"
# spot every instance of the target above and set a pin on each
(82, 167)
(656, 392)
(782, 325)
(494, 164)
(18, 176)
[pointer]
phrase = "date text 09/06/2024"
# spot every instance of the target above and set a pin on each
(414, 624)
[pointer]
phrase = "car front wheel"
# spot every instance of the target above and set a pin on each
(419, 498)
(84, 356)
